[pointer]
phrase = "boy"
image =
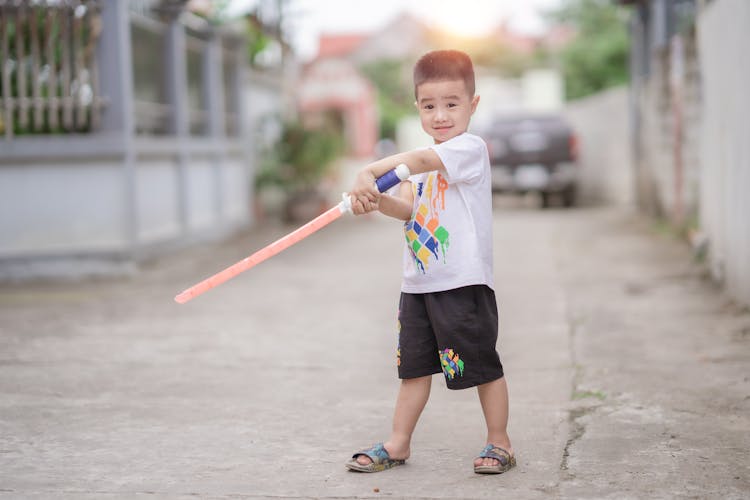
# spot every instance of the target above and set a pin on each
(447, 312)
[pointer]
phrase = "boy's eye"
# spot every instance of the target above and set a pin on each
(429, 106)
(452, 104)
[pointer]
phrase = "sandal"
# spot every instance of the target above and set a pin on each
(380, 460)
(506, 461)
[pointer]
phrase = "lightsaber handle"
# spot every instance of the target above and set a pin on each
(384, 183)
(393, 177)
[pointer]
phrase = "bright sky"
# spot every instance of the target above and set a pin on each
(309, 18)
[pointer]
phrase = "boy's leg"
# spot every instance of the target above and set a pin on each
(412, 398)
(494, 399)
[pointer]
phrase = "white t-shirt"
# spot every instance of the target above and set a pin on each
(449, 237)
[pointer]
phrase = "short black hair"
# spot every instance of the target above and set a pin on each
(444, 65)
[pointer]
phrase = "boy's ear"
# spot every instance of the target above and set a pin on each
(416, 105)
(474, 102)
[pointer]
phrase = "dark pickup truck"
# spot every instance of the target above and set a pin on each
(533, 153)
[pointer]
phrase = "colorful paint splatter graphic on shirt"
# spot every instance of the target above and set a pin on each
(425, 236)
(451, 363)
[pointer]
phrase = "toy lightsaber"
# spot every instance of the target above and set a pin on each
(384, 183)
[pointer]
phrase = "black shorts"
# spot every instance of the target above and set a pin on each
(454, 331)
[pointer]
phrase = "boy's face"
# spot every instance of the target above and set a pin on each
(445, 108)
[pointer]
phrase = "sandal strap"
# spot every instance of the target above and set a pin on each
(499, 454)
(377, 453)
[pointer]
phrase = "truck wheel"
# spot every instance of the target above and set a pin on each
(545, 199)
(569, 197)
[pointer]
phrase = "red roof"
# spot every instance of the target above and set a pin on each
(339, 45)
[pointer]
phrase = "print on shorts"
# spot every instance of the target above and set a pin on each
(398, 340)
(426, 238)
(451, 363)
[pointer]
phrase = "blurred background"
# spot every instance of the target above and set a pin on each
(130, 129)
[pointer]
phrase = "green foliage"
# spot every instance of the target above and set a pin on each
(392, 79)
(257, 42)
(500, 57)
(301, 158)
(598, 57)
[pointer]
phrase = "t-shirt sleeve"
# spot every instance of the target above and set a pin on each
(462, 158)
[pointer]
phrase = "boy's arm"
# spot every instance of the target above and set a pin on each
(398, 206)
(365, 194)
(418, 161)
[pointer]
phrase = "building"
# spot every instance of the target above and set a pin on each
(331, 89)
(127, 144)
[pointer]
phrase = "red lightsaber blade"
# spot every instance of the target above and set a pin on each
(383, 183)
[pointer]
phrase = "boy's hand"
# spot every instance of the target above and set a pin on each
(361, 208)
(365, 195)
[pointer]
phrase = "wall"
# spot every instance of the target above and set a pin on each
(214, 200)
(43, 213)
(723, 37)
(605, 167)
(73, 213)
(690, 113)
(667, 132)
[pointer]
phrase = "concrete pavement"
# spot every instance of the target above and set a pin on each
(628, 373)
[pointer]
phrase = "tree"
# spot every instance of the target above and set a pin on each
(392, 80)
(598, 57)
